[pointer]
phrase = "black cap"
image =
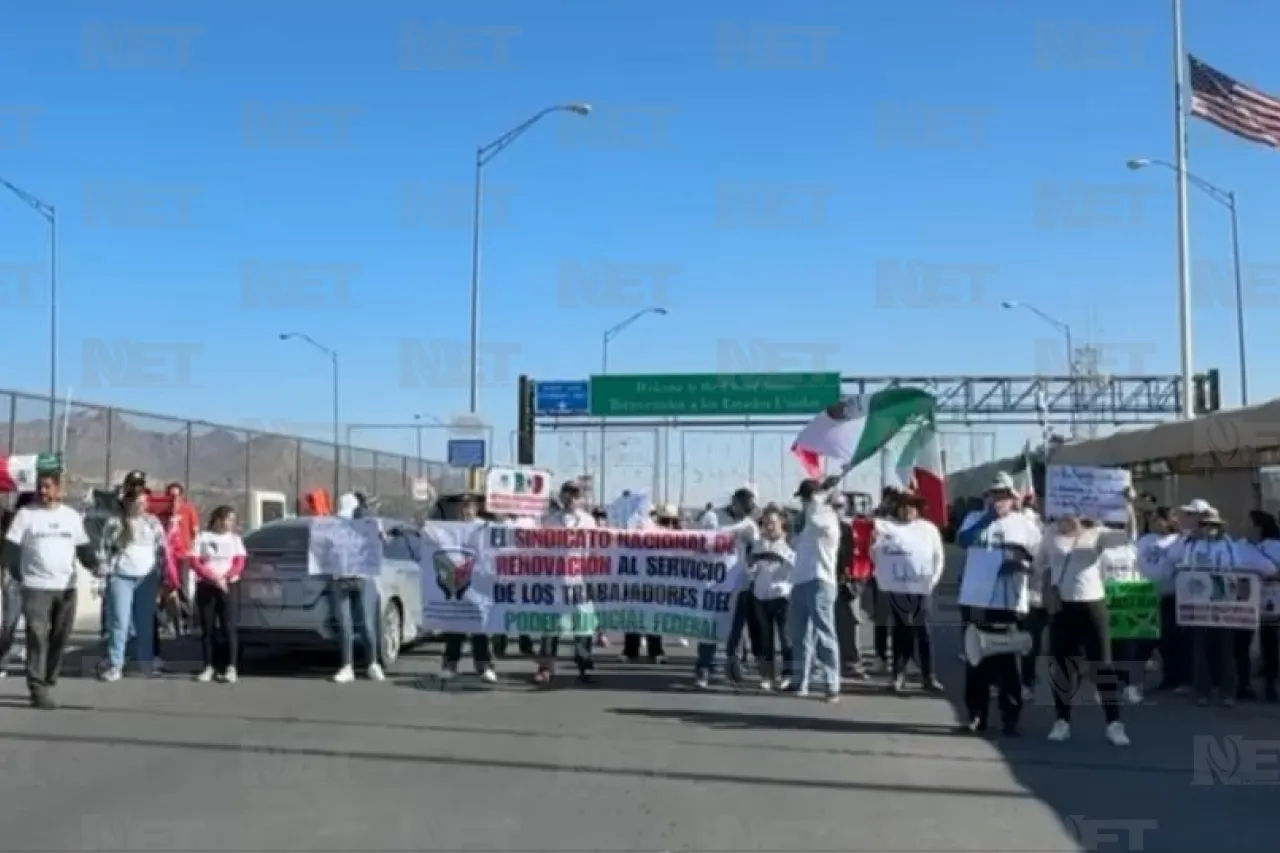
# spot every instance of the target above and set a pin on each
(571, 488)
(134, 479)
(808, 488)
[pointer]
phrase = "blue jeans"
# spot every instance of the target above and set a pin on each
(352, 598)
(811, 625)
(131, 612)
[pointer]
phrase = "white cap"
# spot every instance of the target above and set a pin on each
(1199, 506)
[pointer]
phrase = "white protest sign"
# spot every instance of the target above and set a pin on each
(1218, 599)
(502, 579)
(1086, 492)
(517, 491)
(345, 547)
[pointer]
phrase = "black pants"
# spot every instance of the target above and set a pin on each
(1082, 627)
(1034, 624)
(1130, 658)
(219, 615)
(1175, 647)
(10, 612)
(50, 615)
(631, 646)
(998, 670)
(1269, 638)
(771, 615)
(848, 618)
(481, 653)
(909, 615)
(882, 620)
(1241, 646)
(744, 616)
(582, 652)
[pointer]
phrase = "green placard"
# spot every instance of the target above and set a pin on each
(1134, 608)
(710, 394)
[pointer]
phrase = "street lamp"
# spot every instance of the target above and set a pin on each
(50, 215)
(608, 336)
(1071, 353)
(417, 428)
(337, 437)
(484, 154)
(1227, 199)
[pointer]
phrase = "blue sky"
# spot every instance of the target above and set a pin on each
(163, 202)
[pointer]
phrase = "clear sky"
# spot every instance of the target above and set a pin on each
(765, 171)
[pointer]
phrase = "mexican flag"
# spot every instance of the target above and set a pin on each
(18, 473)
(920, 467)
(857, 428)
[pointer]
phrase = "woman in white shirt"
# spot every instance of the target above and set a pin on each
(1069, 568)
(1153, 546)
(217, 560)
(908, 557)
(135, 554)
(773, 562)
(1266, 540)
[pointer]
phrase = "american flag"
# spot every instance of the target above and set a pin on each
(1233, 106)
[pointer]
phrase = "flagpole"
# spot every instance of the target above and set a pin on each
(1184, 227)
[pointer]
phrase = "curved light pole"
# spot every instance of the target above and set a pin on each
(417, 428)
(337, 437)
(484, 154)
(50, 215)
(1011, 305)
(608, 336)
(1227, 199)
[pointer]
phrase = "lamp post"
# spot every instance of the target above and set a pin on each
(417, 428)
(608, 336)
(50, 215)
(1227, 199)
(484, 154)
(1071, 352)
(337, 436)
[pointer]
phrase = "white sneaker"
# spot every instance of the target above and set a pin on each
(1028, 695)
(766, 685)
(158, 665)
(111, 673)
(206, 675)
(784, 684)
(230, 676)
(1061, 731)
(489, 676)
(1116, 734)
(1133, 695)
(346, 675)
(684, 642)
(702, 682)
(375, 672)
(448, 673)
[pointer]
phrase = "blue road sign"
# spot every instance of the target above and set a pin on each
(466, 452)
(562, 397)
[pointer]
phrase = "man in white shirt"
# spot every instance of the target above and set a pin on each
(44, 542)
(737, 518)
(571, 514)
(812, 618)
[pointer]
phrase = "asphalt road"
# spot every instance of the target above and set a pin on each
(638, 763)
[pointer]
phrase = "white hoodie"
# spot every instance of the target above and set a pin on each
(773, 577)
(347, 506)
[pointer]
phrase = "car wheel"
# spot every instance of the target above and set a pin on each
(391, 635)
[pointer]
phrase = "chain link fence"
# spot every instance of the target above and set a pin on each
(217, 464)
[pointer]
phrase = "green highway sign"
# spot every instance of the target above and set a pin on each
(712, 394)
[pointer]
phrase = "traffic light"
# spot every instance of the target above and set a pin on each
(1208, 393)
(526, 421)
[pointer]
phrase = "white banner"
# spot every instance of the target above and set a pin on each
(345, 547)
(1218, 599)
(488, 578)
(1085, 492)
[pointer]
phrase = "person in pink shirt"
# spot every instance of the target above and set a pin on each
(218, 558)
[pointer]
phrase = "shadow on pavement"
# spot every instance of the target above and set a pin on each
(775, 722)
